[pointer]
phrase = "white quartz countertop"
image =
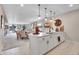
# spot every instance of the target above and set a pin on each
(42, 34)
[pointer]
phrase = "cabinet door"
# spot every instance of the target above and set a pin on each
(55, 41)
(62, 37)
(59, 37)
(51, 42)
(34, 44)
(43, 45)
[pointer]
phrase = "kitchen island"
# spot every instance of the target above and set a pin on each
(44, 42)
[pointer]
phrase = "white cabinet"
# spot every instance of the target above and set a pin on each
(34, 45)
(51, 42)
(59, 36)
(42, 44)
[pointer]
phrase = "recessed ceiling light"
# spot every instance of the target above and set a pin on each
(71, 5)
(21, 5)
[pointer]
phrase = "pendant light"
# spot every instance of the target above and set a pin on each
(45, 13)
(39, 11)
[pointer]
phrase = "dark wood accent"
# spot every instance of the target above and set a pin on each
(58, 38)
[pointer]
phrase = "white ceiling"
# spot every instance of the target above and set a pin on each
(29, 12)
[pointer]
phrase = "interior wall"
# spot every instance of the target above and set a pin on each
(1, 29)
(71, 24)
(0, 15)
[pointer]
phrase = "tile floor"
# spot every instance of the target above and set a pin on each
(66, 48)
(23, 49)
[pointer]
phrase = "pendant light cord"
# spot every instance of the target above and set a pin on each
(50, 15)
(45, 12)
(54, 14)
(39, 9)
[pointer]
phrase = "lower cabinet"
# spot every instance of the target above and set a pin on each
(34, 46)
(51, 42)
(41, 45)
(44, 44)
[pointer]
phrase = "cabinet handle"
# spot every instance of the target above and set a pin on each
(58, 38)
